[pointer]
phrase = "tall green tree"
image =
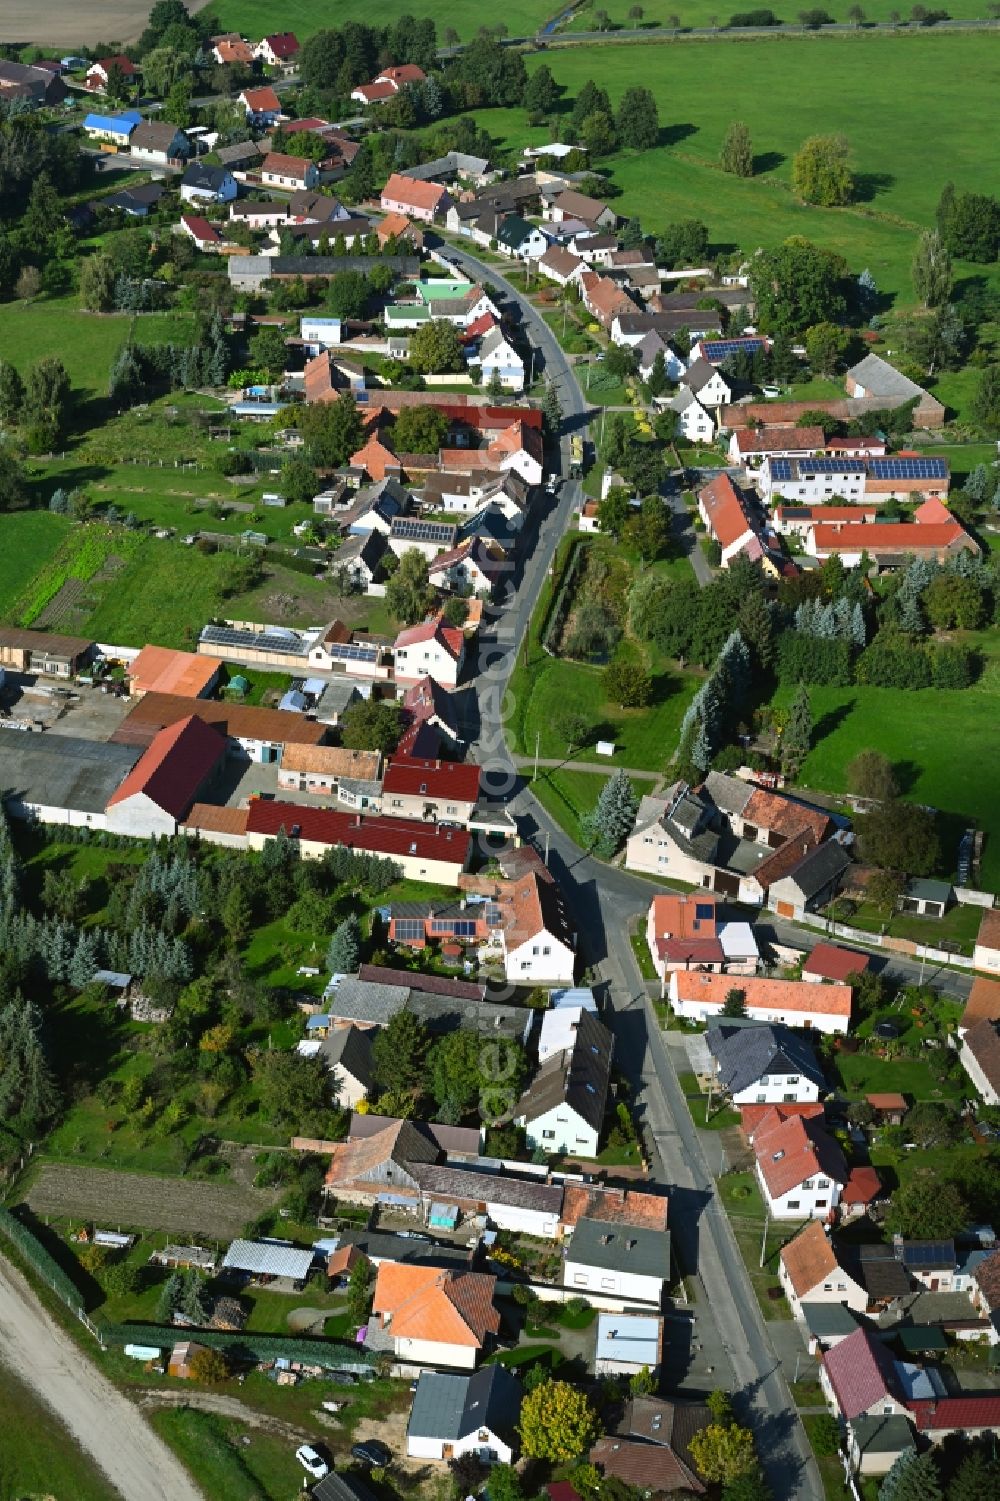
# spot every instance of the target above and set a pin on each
(399, 1053)
(344, 949)
(913, 1477)
(796, 737)
(737, 150)
(933, 277)
(638, 119)
(797, 285)
(557, 1422)
(611, 821)
(408, 594)
(332, 430)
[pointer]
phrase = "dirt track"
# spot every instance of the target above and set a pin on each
(53, 23)
(103, 1422)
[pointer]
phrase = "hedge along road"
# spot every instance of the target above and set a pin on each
(104, 1423)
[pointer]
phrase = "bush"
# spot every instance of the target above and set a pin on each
(754, 18)
(813, 659)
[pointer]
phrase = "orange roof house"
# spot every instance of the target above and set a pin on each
(419, 200)
(983, 1004)
(396, 226)
(810, 1272)
(377, 459)
(681, 930)
(699, 996)
(157, 669)
(444, 1317)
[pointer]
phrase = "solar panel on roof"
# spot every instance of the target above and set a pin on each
(423, 531)
(221, 635)
(898, 468)
(721, 349)
(835, 466)
(349, 651)
(781, 468)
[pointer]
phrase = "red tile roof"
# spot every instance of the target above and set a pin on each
(792, 1150)
(727, 520)
(381, 836)
(425, 1303)
(809, 1258)
(989, 929)
(784, 816)
(283, 44)
(158, 669)
(983, 1003)
(173, 769)
(403, 73)
(932, 510)
(440, 779)
(834, 963)
(955, 1413)
(792, 996)
(862, 1187)
(374, 93)
(888, 536)
(281, 165)
(452, 638)
(201, 229)
(778, 439)
(422, 195)
(861, 1372)
(752, 1115)
(261, 101)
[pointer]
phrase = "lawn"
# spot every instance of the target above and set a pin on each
(85, 342)
(859, 1074)
(37, 1454)
(742, 1201)
(933, 87)
(697, 13)
(28, 540)
(939, 742)
(956, 930)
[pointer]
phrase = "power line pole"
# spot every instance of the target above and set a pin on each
(763, 1244)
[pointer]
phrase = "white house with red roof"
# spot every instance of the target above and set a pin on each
(167, 779)
(389, 83)
(431, 649)
(432, 790)
(438, 853)
(699, 996)
(425, 201)
(205, 235)
(727, 522)
(749, 445)
(859, 1378)
(470, 565)
(280, 50)
(262, 105)
(800, 1169)
(99, 73)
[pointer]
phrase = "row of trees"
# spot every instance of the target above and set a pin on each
(38, 408)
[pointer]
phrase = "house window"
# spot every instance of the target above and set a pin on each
(793, 1203)
(793, 1078)
(548, 1135)
(608, 1283)
(764, 1079)
(823, 1183)
(820, 1203)
(828, 1287)
(762, 1099)
(579, 1279)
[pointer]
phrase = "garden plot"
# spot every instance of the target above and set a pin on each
(140, 1200)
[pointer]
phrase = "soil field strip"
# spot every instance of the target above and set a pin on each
(142, 1201)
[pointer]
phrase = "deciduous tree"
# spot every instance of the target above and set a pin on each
(723, 1453)
(821, 172)
(557, 1422)
(933, 278)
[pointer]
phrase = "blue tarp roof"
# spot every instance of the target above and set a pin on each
(125, 122)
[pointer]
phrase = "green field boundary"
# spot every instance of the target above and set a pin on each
(245, 1346)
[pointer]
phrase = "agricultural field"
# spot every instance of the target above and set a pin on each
(143, 1200)
(935, 87)
(37, 1454)
(255, 17)
(708, 13)
(30, 540)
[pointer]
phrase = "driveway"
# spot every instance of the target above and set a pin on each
(137, 1463)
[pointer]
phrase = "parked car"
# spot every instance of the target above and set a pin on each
(372, 1452)
(312, 1462)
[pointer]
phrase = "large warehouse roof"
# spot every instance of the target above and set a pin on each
(62, 771)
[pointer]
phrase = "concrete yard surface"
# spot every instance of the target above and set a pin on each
(105, 1424)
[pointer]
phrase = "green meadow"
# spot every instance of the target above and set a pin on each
(912, 106)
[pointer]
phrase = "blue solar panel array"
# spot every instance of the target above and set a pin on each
(832, 466)
(721, 349)
(908, 468)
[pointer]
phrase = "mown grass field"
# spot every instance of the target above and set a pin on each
(931, 88)
(698, 13)
(942, 744)
(38, 1457)
(85, 342)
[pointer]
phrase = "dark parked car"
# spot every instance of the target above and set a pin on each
(373, 1453)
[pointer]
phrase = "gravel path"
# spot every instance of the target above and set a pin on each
(104, 1423)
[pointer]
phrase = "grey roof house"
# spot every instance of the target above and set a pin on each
(455, 1415)
(760, 1061)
